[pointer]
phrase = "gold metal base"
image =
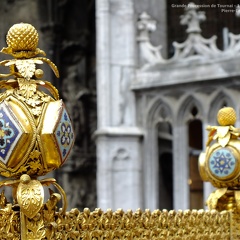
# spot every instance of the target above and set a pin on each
(109, 225)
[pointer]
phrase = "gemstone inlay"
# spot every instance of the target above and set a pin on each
(64, 135)
(222, 163)
(10, 132)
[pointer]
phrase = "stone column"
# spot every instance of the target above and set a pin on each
(151, 170)
(180, 167)
(119, 164)
(103, 61)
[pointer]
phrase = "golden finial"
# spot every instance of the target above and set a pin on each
(36, 133)
(22, 41)
(40, 120)
(220, 164)
(226, 116)
(22, 37)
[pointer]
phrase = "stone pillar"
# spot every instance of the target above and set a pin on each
(151, 170)
(119, 169)
(103, 61)
(119, 164)
(180, 167)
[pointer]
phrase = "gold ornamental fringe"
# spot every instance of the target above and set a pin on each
(129, 225)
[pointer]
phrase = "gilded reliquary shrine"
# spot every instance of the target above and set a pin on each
(37, 137)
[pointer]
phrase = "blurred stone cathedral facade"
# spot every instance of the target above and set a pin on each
(141, 80)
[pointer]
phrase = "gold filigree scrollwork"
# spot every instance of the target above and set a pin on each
(158, 224)
(50, 224)
(37, 218)
(30, 196)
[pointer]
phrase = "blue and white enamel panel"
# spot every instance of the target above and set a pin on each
(64, 134)
(10, 132)
(222, 163)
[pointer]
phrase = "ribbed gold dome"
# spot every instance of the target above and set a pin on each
(22, 37)
(226, 116)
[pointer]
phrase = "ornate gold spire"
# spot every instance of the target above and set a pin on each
(36, 133)
(220, 164)
(22, 41)
(37, 121)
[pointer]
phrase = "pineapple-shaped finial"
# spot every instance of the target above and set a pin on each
(22, 41)
(22, 37)
(226, 116)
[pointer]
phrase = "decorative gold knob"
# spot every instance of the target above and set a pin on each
(226, 116)
(22, 37)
